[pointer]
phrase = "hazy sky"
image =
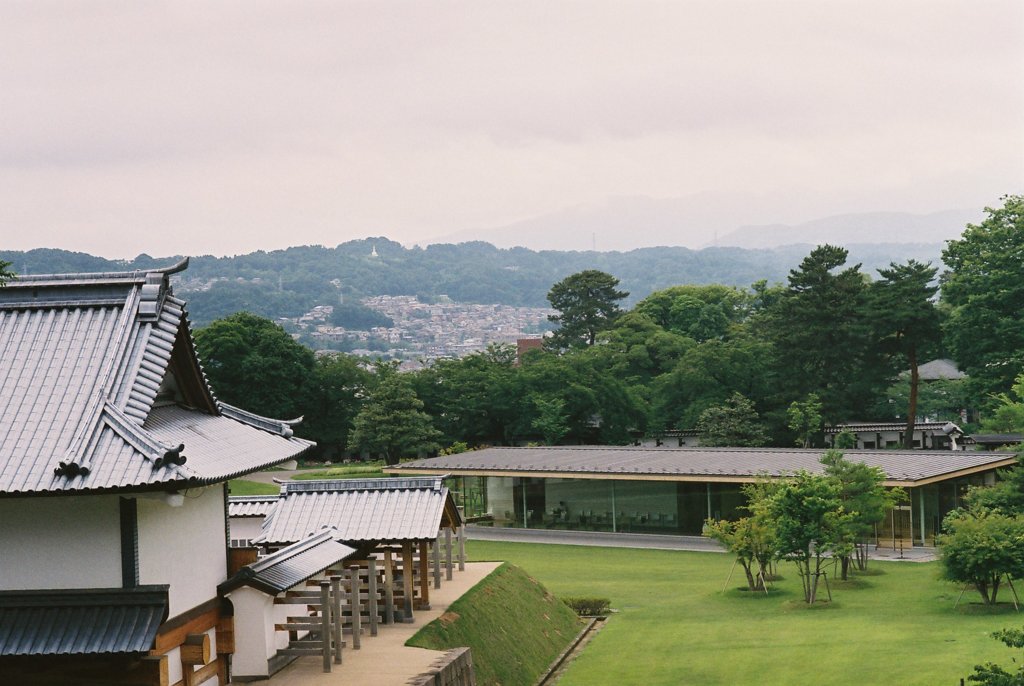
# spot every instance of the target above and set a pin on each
(224, 127)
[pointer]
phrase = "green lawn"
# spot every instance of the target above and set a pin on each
(244, 487)
(354, 470)
(675, 626)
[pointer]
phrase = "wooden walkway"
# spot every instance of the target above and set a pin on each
(385, 660)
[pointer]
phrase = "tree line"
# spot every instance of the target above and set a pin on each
(762, 365)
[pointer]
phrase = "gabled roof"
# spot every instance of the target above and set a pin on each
(83, 359)
(735, 465)
(362, 510)
(105, 621)
(292, 565)
(251, 505)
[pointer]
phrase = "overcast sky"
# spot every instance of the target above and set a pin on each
(222, 127)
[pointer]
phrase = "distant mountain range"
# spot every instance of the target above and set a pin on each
(706, 220)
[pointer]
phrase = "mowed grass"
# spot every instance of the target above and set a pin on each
(515, 627)
(353, 470)
(245, 487)
(674, 625)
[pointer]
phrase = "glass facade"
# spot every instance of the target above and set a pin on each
(668, 507)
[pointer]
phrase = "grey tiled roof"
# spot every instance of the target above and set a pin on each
(884, 426)
(81, 622)
(251, 505)
(82, 359)
(938, 369)
(292, 565)
(360, 510)
(903, 466)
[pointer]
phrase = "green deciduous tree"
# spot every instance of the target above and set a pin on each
(332, 399)
(550, 421)
(805, 419)
(906, 321)
(587, 303)
(698, 312)
(752, 541)
(5, 273)
(985, 290)
(253, 363)
(810, 523)
(391, 421)
(1008, 414)
(736, 423)
(864, 499)
(1005, 496)
(981, 548)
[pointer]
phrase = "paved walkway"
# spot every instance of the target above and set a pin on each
(384, 659)
(654, 541)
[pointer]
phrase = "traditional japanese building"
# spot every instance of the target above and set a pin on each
(114, 458)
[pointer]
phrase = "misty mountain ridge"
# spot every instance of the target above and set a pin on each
(623, 223)
(853, 229)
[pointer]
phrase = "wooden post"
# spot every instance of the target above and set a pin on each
(372, 592)
(448, 553)
(407, 578)
(325, 622)
(462, 548)
(436, 554)
(357, 610)
(389, 589)
(425, 574)
(337, 617)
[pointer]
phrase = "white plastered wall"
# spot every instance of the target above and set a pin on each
(255, 640)
(246, 528)
(60, 542)
(184, 546)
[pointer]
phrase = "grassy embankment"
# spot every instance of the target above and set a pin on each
(514, 626)
(675, 626)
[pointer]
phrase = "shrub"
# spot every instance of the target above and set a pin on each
(588, 607)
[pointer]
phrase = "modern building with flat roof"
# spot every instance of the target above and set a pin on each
(674, 490)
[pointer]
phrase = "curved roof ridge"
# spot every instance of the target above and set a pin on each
(127, 275)
(281, 427)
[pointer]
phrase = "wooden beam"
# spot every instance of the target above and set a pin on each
(204, 673)
(196, 649)
(425, 574)
(407, 574)
(389, 589)
(372, 596)
(173, 632)
(448, 554)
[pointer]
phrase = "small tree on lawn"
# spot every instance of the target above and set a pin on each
(810, 523)
(981, 548)
(751, 540)
(865, 500)
(991, 674)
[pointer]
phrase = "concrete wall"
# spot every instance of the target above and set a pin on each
(60, 542)
(184, 546)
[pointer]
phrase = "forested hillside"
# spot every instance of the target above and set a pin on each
(286, 283)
